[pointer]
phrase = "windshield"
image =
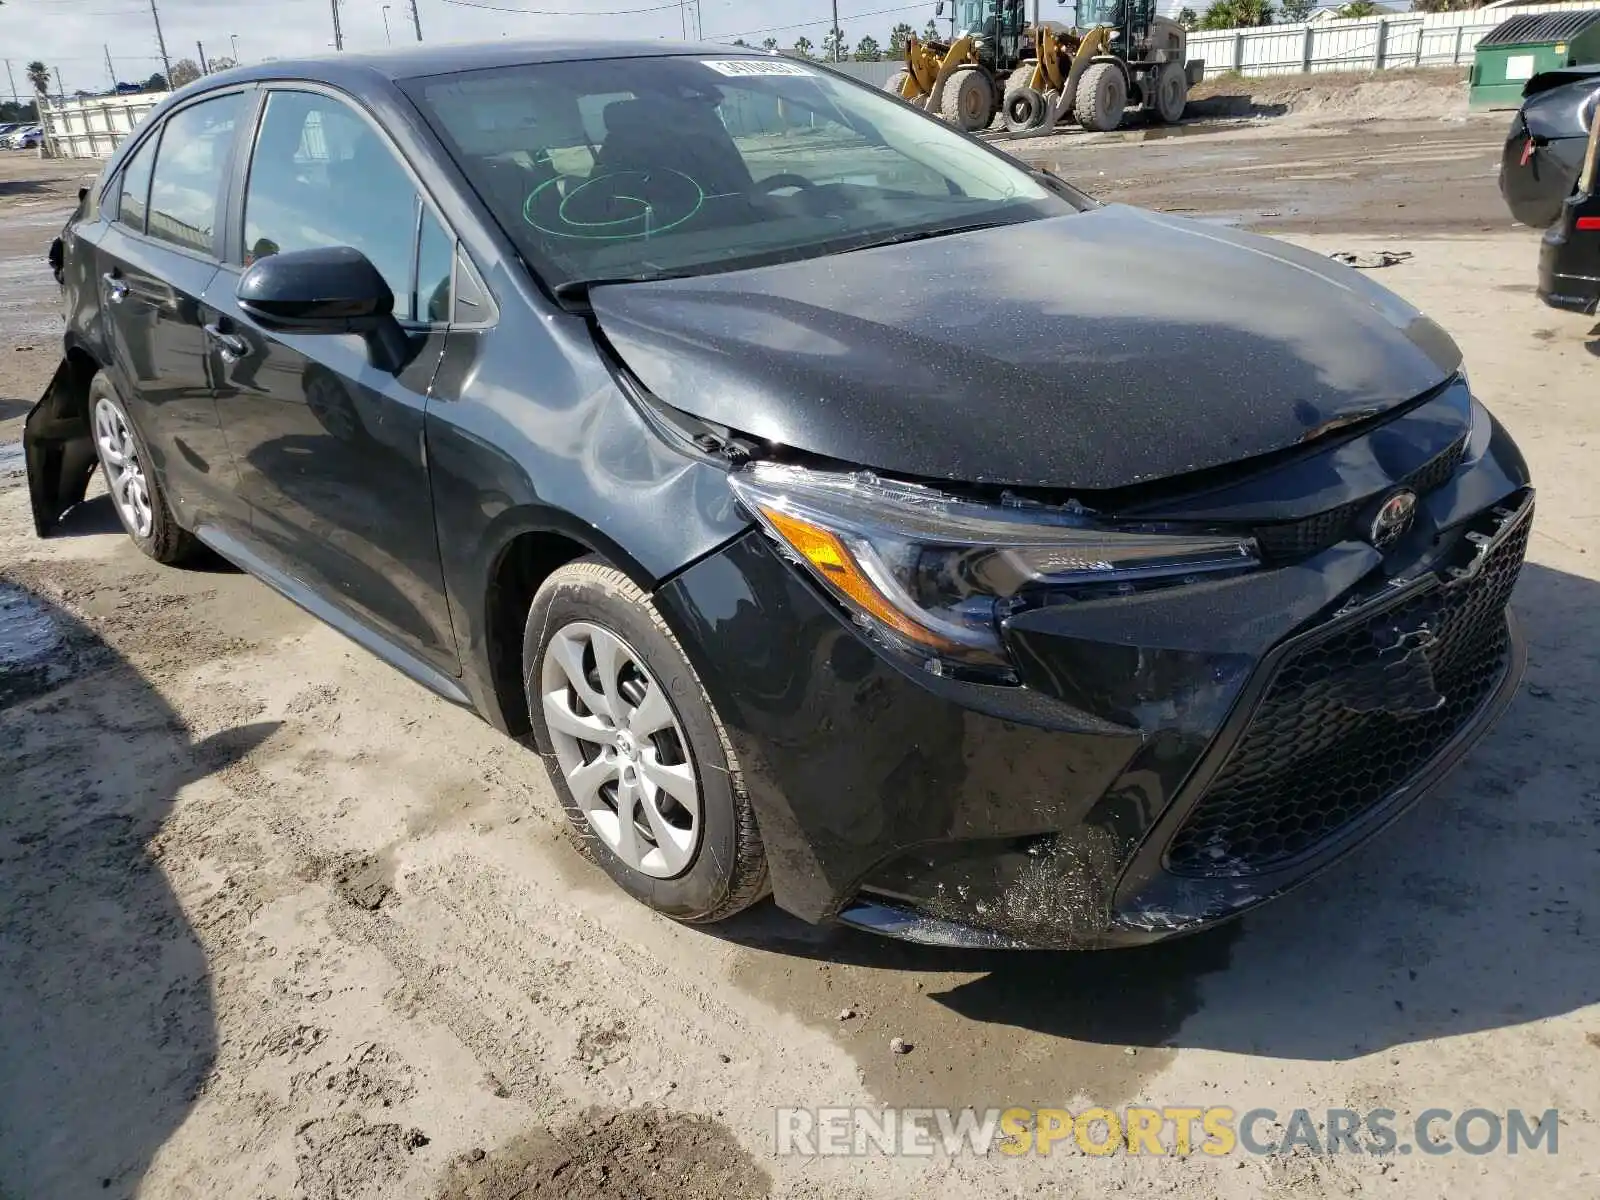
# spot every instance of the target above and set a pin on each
(649, 167)
(974, 16)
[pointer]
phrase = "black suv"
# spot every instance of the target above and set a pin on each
(838, 505)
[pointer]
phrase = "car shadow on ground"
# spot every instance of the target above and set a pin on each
(107, 1028)
(96, 515)
(1477, 910)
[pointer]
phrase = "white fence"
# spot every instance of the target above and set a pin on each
(1371, 44)
(94, 128)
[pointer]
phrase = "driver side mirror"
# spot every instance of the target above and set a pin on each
(327, 290)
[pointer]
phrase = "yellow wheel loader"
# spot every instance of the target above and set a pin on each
(1040, 74)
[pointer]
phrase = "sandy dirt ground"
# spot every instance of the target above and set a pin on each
(278, 923)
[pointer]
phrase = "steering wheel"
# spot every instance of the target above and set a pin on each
(786, 179)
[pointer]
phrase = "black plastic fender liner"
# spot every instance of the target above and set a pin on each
(58, 449)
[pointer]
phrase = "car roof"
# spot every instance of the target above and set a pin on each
(446, 58)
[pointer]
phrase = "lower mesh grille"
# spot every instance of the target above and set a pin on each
(1347, 721)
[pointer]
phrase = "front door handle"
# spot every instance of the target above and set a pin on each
(116, 287)
(230, 346)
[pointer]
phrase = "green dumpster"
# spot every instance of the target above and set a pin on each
(1520, 47)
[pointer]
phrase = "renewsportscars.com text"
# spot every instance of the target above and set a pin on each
(1168, 1130)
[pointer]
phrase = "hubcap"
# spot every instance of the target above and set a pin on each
(621, 748)
(119, 458)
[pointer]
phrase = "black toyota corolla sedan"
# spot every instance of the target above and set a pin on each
(837, 505)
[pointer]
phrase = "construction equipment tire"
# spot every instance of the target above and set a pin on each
(1020, 78)
(1102, 97)
(1024, 110)
(969, 100)
(1171, 88)
(897, 83)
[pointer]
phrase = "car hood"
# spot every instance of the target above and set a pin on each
(1091, 351)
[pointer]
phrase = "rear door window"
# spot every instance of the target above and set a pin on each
(191, 166)
(133, 190)
(322, 176)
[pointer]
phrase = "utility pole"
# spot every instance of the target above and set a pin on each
(233, 38)
(338, 34)
(110, 70)
(416, 21)
(683, 19)
(205, 67)
(166, 65)
(15, 99)
(835, 30)
(61, 88)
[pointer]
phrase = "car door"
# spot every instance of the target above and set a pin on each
(156, 258)
(329, 448)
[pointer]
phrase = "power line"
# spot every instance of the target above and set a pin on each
(539, 12)
(723, 37)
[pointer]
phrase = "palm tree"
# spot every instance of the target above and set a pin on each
(39, 76)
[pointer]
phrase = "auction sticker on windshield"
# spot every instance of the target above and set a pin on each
(755, 66)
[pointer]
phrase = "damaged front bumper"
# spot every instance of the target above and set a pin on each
(1170, 758)
(58, 447)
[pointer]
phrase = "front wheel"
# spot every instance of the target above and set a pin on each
(968, 102)
(635, 750)
(1102, 97)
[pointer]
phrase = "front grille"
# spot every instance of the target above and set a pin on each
(1348, 720)
(1290, 541)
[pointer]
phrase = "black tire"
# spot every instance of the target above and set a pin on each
(166, 541)
(968, 102)
(728, 871)
(1102, 97)
(1024, 110)
(897, 83)
(1171, 88)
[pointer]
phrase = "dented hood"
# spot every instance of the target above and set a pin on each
(1089, 351)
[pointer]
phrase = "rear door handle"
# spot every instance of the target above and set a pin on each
(116, 287)
(231, 346)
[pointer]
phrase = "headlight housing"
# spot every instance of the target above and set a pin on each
(933, 576)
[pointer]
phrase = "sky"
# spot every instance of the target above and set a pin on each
(74, 34)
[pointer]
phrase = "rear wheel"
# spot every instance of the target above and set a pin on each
(1020, 78)
(1171, 88)
(135, 492)
(1102, 97)
(897, 83)
(969, 101)
(635, 750)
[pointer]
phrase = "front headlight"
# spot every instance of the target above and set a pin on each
(934, 575)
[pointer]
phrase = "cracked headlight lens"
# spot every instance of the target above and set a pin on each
(934, 575)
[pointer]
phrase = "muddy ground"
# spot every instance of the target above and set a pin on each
(278, 923)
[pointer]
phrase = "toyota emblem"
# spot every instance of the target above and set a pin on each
(1393, 519)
